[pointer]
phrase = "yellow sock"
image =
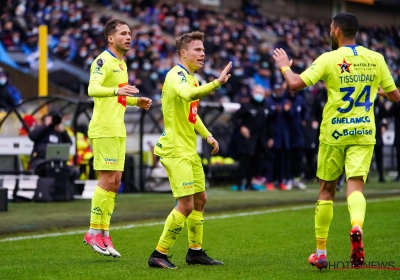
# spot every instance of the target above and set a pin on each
(357, 205)
(109, 209)
(323, 218)
(194, 224)
(172, 228)
(99, 201)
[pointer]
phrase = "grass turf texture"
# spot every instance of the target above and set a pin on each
(43, 217)
(273, 245)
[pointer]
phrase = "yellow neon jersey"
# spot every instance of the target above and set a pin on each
(180, 102)
(352, 75)
(107, 74)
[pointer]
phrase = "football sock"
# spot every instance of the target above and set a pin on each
(356, 204)
(109, 209)
(93, 231)
(172, 228)
(105, 233)
(99, 201)
(320, 252)
(194, 224)
(323, 218)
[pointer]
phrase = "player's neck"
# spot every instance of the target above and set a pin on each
(346, 42)
(185, 65)
(115, 53)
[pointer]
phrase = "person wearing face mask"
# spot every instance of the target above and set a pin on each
(280, 113)
(299, 119)
(6, 100)
(254, 139)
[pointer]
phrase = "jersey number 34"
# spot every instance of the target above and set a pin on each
(367, 104)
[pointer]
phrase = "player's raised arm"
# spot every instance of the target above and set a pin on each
(282, 61)
(189, 93)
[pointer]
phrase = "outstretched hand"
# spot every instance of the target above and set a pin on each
(127, 90)
(144, 103)
(214, 143)
(282, 59)
(224, 76)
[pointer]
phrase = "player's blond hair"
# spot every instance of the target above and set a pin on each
(185, 39)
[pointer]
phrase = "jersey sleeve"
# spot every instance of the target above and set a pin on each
(387, 82)
(132, 101)
(98, 72)
(316, 71)
(201, 128)
(185, 91)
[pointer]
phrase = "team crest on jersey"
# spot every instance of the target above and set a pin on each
(182, 76)
(120, 67)
(344, 66)
(100, 62)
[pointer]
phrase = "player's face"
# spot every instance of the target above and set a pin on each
(335, 42)
(121, 38)
(194, 54)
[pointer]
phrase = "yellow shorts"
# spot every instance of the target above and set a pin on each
(109, 153)
(355, 158)
(186, 175)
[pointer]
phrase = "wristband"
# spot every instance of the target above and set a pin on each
(115, 91)
(284, 68)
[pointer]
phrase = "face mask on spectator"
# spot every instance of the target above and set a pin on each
(77, 35)
(15, 40)
(235, 35)
(65, 8)
(78, 17)
(134, 65)
(64, 45)
(223, 54)
(83, 54)
(132, 56)
(147, 66)
(85, 26)
(3, 81)
(258, 97)
(238, 72)
(68, 123)
(79, 4)
(154, 76)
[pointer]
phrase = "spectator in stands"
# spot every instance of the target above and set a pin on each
(280, 112)
(6, 100)
(51, 132)
(394, 112)
(13, 91)
(255, 137)
(297, 122)
(381, 126)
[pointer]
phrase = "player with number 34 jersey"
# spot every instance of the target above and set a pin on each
(355, 74)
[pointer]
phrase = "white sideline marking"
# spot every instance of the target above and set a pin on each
(215, 217)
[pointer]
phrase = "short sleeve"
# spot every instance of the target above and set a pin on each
(387, 82)
(316, 71)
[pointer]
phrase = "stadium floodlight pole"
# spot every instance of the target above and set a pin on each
(42, 71)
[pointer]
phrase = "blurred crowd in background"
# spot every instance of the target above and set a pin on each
(245, 36)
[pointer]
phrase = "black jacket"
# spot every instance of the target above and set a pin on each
(254, 116)
(43, 135)
(394, 112)
(6, 100)
(380, 120)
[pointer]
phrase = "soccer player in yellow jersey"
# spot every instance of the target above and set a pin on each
(177, 150)
(352, 75)
(111, 93)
